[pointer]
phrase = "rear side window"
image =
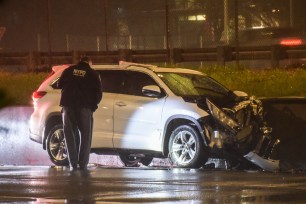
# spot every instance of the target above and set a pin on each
(54, 82)
(112, 81)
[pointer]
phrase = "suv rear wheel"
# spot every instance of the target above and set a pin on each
(56, 146)
(186, 147)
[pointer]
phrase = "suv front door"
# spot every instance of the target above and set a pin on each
(136, 116)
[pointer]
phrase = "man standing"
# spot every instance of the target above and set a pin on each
(81, 94)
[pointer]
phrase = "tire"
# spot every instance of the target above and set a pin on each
(146, 161)
(186, 148)
(129, 161)
(56, 146)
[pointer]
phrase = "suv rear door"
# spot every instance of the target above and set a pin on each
(103, 131)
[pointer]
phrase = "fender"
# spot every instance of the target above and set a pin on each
(185, 117)
(49, 119)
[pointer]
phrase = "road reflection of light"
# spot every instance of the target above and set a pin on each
(159, 185)
(14, 142)
(49, 200)
(59, 177)
(182, 170)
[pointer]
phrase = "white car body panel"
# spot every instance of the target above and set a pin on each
(47, 105)
(137, 122)
(103, 126)
(176, 106)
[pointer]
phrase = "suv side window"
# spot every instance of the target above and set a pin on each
(136, 81)
(112, 81)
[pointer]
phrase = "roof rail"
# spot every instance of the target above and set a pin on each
(125, 65)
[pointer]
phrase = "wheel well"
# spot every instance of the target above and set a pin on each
(52, 120)
(171, 126)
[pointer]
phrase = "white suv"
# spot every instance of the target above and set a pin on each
(145, 112)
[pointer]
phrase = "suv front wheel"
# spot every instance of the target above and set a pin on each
(56, 146)
(186, 147)
(133, 161)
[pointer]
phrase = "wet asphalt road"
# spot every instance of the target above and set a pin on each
(43, 184)
(27, 176)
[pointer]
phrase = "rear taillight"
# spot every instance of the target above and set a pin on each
(38, 94)
(291, 42)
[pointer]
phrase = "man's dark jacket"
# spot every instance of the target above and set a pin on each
(81, 87)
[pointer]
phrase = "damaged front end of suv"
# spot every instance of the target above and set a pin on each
(239, 134)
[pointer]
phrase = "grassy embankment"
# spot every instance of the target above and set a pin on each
(262, 83)
(17, 88)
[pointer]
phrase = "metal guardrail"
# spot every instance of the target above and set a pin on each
(34, 61)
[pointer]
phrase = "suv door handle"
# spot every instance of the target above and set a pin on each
(120, 103)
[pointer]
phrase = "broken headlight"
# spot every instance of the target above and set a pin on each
(221, 116)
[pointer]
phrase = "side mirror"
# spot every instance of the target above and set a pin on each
(240, 95)
(151, 91)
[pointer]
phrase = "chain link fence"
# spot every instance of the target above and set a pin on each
(107, 25)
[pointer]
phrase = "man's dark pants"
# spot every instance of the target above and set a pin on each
(78, 124)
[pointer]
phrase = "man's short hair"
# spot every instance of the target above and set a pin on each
(85, 59)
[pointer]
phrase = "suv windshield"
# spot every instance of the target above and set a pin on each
(183, 84)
